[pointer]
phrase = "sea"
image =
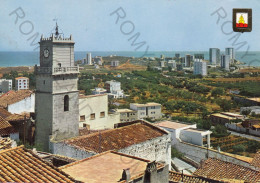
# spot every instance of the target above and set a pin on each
(13, 59)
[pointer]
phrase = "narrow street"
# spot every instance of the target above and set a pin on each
(182, 165)
(245, 135)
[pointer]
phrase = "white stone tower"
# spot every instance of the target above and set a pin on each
(56, 105)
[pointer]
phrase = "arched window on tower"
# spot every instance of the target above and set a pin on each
(66, 103)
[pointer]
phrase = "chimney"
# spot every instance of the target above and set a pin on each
(151, 173)
(126, 175)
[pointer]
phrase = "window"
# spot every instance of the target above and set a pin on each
(102, 114)
(92, 116)
(44, 82)
(153, 107)
(59, 64)
(82, 118)
(66, 103)
(84, 125)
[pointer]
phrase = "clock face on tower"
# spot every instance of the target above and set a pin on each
(46, 53)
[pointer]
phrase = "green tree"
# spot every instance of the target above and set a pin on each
(225, 105)
(253, 146)
(239, 148)
(220, 131)
(217, 92)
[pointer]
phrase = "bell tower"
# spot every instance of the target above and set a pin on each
(56, 103)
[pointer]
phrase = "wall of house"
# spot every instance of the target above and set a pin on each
(254, 132)
(191, 137)
(128, 116)
(158, 149)
(243, 130)
(14, 136)
(234, 127)
(96, 105)
(175, 133)
(64, 149)
(154, 112)
(25, 105)
(198, 153)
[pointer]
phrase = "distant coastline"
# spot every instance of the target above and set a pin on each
(14, 59)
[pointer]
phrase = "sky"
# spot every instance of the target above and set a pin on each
(163, 25)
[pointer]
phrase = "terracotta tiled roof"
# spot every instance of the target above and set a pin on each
(179, 177)
(12, 97)
(16, 117)
(21, 165)
(5, 127)
(107, 167)
(118, 138)
(4, 113)
(220, 170)
(256, 160)
(21, 78)
(85, 131)
(5, 143)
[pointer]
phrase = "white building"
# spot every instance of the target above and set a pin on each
(5, 85)
(214, 56)
(149, 110)
(18, 101)
(98, 60)
(162, 63)
(172, 63)
(225, 62)
(21, 83)
(186, 132)
(114, 89)
(200, 67)
(231, 52)
(251, 109)
(98, 91)
(114, 63)
(127, 115)
(89, 59)
(93, 112)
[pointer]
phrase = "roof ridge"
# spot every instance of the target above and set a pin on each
(101, 132)
(88, 158)
(100, 154)
(12, 149)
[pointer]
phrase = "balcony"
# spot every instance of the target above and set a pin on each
(57, 70)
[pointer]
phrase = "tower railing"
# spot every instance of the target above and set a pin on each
(57, 70)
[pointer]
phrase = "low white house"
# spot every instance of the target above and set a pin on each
(186, 132)
(251, 109)
(93, 110)
(98, 91)
(18, 101)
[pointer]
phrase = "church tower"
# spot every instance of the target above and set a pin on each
(57, 104)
